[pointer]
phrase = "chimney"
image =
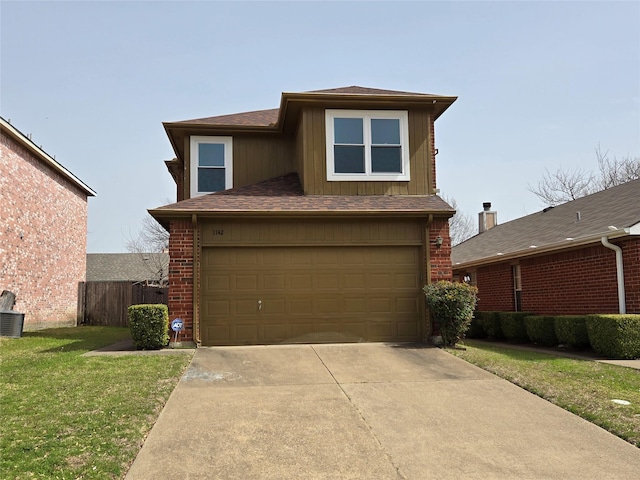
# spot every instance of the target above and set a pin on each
(487, 219)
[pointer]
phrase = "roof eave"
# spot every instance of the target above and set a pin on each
(19, 137)
(550, 248)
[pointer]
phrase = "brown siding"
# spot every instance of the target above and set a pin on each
(255, 158)
(314, 162)
(312, 232)
(43, 226)
(260, 157)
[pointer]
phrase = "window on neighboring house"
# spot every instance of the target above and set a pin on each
(371, 145)
(517, 287)
(211, 164)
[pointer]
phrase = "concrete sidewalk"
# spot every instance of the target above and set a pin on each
(366, 411)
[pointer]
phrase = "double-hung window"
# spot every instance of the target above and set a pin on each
(211, 164)
(370, 145)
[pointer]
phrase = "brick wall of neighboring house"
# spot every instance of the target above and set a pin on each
(573, 282)
(181, 276)
(43, 232)
(495, 288)
(631, 259)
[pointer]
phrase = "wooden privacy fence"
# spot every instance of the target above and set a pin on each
(106, 303)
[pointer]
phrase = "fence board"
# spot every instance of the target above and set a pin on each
(106, 303)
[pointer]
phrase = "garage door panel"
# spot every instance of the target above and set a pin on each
(380, 280)
(354, 305)
(273, 282)
(318, 294)
(327, 281)
(247, 333)
(407, 305)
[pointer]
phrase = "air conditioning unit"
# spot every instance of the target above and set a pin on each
(11, 324)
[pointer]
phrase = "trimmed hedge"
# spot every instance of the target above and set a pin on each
(541, 330)
(475, 328)
(512, 324)
(490, 323)
(149, 325)
(571, 330)
(616, 336)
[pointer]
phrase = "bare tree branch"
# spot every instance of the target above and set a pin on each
(563, 186)
(152, 240)
(461, 226)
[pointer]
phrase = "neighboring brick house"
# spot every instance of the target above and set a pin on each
(576, 258)
(43, 232)
(324, 224)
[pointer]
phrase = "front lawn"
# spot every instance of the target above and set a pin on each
(64, 416)
(583, 387)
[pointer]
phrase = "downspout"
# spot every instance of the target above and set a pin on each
(622, 305)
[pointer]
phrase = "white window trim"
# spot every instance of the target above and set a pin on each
(367, 115)
(228, 161)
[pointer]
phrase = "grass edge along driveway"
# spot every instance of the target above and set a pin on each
(583, 387)
(65, 416)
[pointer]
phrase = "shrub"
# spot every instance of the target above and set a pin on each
(490, 323)
(616, 336)
(571, 330)
(475, 328)
(541, 330)
(149, 325)
(512, 324)
(451, 304)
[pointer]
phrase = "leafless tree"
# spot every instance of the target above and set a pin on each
(563, 186)
(461, 226)
(152, 244)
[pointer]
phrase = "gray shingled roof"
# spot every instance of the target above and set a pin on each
(608, 212)
(134, 267)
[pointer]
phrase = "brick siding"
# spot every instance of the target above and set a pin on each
(440, 258)
(572, 282)
(181, 276)
(43, 232)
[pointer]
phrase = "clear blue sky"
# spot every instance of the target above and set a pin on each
(540, 85)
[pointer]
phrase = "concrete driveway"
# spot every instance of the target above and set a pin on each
(366, 411)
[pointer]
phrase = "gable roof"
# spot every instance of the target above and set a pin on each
(43, 156)
(131, 267)
(284, 118)
(613, 212)
(284, 196)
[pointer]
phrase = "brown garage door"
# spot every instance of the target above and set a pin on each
(269, 295)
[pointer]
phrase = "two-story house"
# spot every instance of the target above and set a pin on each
(318, 221)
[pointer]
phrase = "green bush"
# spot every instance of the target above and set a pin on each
(149, 326)
(571, 330)
(475, 328)
(512, 324)
(490, 323)
(541, 330)
(616, 336)
(451, 305)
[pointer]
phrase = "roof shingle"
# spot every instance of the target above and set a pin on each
(617, 207)
(285, 193)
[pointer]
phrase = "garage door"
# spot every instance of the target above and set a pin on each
(267, 295)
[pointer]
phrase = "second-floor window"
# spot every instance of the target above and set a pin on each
(369, 145)
(211, 164)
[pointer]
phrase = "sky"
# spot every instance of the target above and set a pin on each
(540, 85)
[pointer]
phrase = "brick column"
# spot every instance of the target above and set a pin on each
(181, 277)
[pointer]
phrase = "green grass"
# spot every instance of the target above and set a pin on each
(583, 387)
(64, 416)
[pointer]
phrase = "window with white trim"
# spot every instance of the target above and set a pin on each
(370, 145)
(211, 164)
